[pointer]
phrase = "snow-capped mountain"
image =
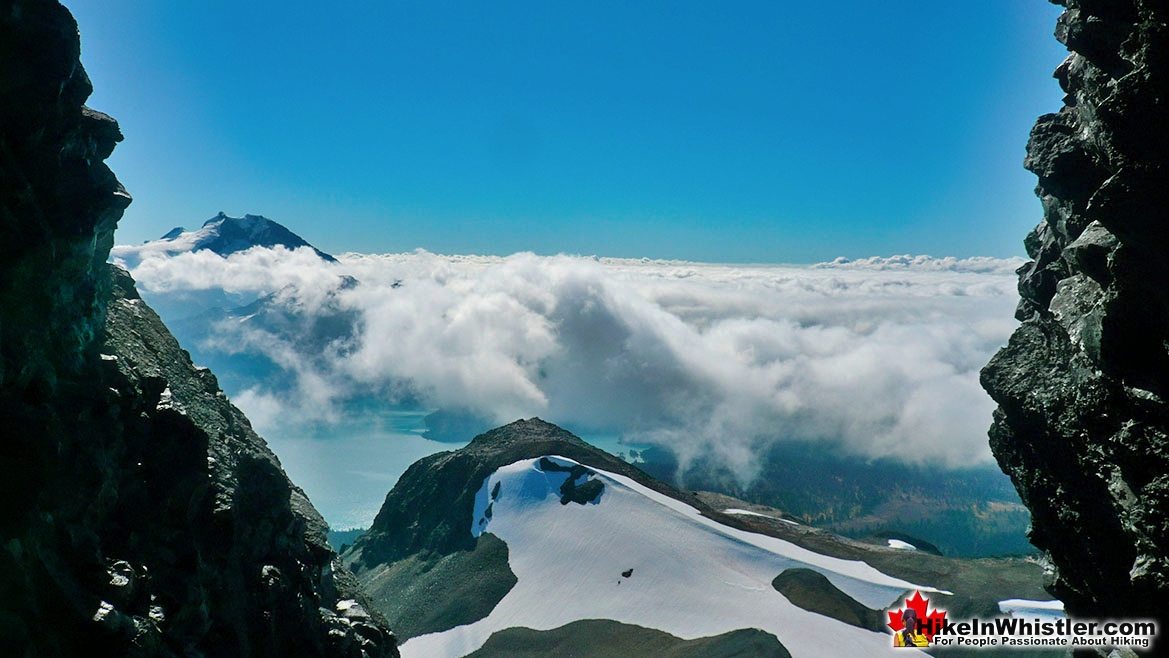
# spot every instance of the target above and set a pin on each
(630, 349)
(221, 234)
(529, 537)
(219, 324)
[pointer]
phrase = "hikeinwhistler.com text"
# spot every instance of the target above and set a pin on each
(1041, 633)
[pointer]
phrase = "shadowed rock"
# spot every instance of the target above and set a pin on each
(1082, 426)
(813, 592)
(140, 515)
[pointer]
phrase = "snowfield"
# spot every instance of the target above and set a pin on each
(1028, 608)
(691, 576)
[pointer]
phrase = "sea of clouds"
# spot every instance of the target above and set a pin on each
(877, 357)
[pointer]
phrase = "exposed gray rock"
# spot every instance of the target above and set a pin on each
(1082, 426)
(140, 515)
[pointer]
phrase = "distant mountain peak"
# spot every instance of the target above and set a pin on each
(247, 220)
(225, 235)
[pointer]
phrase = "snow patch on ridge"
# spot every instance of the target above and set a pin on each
(1029, 608)
(694, 576)
(747, 512)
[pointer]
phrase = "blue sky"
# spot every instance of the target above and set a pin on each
(729, 132)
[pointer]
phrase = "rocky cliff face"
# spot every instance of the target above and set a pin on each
(1083, 424)
(140, 515)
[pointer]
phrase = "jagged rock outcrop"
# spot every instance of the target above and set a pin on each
(140, 515)
(1083, 423)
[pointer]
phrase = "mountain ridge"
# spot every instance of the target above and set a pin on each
(223, 235)
(520, 439)
(440, 570)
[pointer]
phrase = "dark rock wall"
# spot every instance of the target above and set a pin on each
(1082, 426)
(140, 515)
(60, 202)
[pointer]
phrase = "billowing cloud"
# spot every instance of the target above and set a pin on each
(878, 357)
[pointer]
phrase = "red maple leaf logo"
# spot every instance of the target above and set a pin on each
(930, 621)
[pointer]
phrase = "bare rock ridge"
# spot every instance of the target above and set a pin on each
(1082, 426)
(140, 515)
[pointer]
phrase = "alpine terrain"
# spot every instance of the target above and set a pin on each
(529, 538)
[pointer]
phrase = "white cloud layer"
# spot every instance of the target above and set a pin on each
(877, 356)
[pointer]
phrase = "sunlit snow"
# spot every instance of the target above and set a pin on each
(692, 576)
(1028, 608)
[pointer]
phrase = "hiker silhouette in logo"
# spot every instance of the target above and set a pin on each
(910, 635)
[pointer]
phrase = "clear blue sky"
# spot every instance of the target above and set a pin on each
(718, 131)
